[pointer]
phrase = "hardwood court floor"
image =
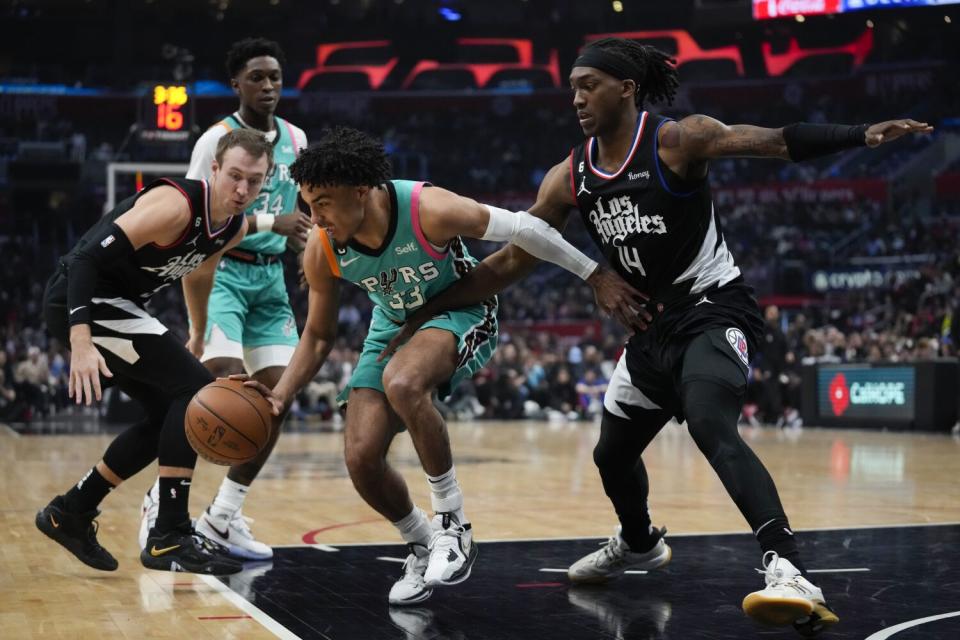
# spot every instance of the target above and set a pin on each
(521, 480)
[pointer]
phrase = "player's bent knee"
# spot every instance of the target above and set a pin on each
(365, 463)
(715, 434)
(405, 392)
(605, 457)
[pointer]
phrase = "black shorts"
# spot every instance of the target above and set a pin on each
(147, 362)
(650, 374)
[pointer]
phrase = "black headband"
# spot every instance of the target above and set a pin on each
(606, 62)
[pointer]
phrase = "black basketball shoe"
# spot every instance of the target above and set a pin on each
(183, 549)
(75, 532)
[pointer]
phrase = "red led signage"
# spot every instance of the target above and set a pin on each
(376, 73)
(483, 72)
(778, 63)
(687, 48)
(521, 52)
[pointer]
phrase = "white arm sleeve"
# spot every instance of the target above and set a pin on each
(537, 238)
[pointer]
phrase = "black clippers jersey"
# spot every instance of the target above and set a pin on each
(152, 267)
(659, 231)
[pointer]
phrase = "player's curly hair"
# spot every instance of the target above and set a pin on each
(244, 50)
(655, 72)
(342, 157)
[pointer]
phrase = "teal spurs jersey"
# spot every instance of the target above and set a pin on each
(406, 270)
(279, 193)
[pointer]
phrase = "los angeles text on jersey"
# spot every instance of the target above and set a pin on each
(178, 266)
(620, 218)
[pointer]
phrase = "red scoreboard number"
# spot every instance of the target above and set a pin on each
(166, 113)
(168, 101)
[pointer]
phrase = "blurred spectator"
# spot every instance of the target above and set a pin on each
(560, 394)
(31, 377)
(591, 388)
(10, 409)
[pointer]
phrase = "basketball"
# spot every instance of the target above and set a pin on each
(228, 423)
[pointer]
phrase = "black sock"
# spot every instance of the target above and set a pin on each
(637, 534)
(776, 535)
(174, 500)
(88, 493)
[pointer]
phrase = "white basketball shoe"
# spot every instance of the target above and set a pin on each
(452, 552)
(788, 598)
(148, 514)
(615, 557)
(411, 588)
(233, 532)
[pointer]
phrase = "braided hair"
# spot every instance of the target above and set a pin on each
(654, 71)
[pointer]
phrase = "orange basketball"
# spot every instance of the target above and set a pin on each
(228, 423)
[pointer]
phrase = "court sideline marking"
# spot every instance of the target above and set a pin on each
(601, 537)
(883, 634)
(250, 609)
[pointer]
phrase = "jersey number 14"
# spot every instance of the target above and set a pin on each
(630, 257)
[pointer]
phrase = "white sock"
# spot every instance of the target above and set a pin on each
(445, 496)
(415, 528)
(229, 499)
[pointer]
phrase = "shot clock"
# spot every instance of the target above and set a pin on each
(166, 113)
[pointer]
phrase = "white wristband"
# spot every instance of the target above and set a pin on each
(265, 222)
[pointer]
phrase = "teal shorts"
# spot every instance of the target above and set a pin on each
(249, 315)
(474, 327)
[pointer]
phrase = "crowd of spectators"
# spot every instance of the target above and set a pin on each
(538, 373)
(542, 374)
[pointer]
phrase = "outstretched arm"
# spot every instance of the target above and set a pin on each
(511, 263)
(445, 215)
(698, 138)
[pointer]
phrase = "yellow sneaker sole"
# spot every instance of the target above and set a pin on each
(777, 612)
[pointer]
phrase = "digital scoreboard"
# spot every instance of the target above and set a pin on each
(166, 113)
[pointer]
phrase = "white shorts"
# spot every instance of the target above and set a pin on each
(254, 358)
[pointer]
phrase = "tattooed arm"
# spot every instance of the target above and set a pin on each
(686, 145)
(700, 137)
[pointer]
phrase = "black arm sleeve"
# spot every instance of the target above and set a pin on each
(805, 140)
(87, 263)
